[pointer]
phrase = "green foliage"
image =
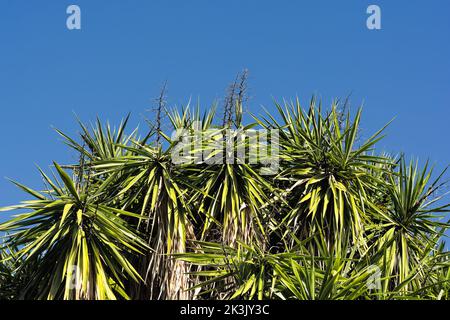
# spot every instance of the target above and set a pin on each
(77, 244)
(337, 221)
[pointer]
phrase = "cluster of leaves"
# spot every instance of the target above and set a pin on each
(336, 221)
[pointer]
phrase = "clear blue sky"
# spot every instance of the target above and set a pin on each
(126, 49)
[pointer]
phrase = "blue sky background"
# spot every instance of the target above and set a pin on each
(126, 49)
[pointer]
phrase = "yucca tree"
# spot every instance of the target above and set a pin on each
(230, 197)
(151, 187)
(78, 244)
(406, 227)
(325, 175)
(331, 193)
(225, 193)
(130, 220)
(142, 181)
